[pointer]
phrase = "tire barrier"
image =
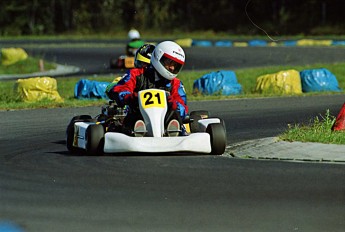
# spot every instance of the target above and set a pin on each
(188, 42)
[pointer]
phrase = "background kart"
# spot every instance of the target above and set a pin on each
(121, 62)
(104, 133)
(126, 61)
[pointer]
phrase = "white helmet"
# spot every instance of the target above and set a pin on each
(133, 34)
(168, 59)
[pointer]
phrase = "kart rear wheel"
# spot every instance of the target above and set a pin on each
(217, 137)
(94, 139)
(81, 117)
(194, 124)
(70, 131)
(202, 113)
(195, 116)
(223, 124)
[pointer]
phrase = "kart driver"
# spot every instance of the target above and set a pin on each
(134, 42)
(167, 60)
(142, 60)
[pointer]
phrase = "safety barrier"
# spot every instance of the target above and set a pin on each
(188, 42)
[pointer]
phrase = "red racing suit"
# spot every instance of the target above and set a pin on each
(126, 91)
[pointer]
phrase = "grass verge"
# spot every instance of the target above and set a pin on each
(317, 130)
(246, 77)
(29, 65)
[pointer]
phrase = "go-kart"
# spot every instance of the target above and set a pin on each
(121, 62)
(104, 133)
(126, 61)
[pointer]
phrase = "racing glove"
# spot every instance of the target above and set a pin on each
(109, 91)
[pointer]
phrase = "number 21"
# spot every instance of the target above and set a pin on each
(149, 98)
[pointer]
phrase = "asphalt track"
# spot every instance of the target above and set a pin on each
(44, 188)
(95, 60)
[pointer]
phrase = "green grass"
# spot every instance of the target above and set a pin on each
(29, 65)
(317, 130)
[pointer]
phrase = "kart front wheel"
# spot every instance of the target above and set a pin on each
(70, 131)
(94, 139)
(217, 137)
(70, 138)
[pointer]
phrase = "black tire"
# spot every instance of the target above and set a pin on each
(70, 138)
(223, 123)
(201, 113)
(94, 139)
(113, 63)
(195, 116)
(81, 117)
(194, 124)
(70, 131)
(217, 137)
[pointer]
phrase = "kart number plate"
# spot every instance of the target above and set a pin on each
(153, 98)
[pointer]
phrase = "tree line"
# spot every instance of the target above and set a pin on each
(244, 17)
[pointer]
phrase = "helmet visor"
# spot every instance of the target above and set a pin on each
(171, 64)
